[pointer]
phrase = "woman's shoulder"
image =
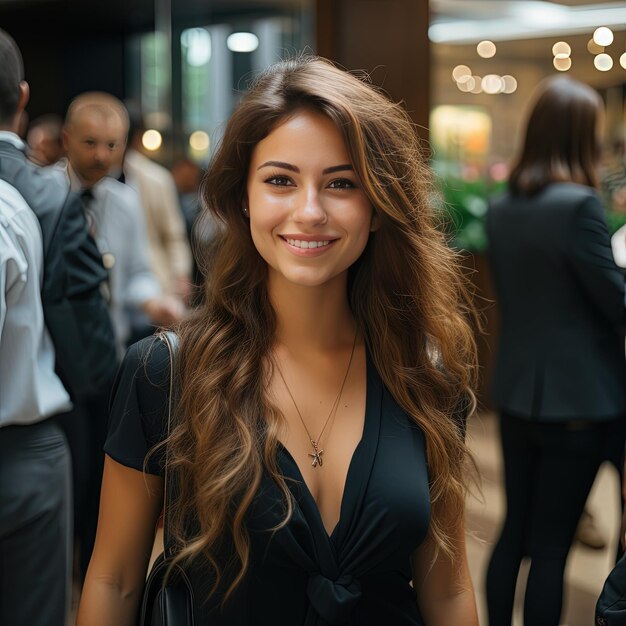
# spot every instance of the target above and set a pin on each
(148, 361)
(145, 376)
(139, 406)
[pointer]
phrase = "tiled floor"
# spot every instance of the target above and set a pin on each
(586, 568)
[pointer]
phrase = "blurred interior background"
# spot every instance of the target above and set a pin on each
(465, 70)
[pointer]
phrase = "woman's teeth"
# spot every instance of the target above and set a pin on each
(299, 243)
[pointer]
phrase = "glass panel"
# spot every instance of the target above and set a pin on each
(155, 80)
(207, 77)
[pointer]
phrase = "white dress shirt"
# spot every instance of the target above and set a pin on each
(30, 391)
(120, 233)
(13, 139)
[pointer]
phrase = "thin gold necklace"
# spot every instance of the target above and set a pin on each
(317, 454)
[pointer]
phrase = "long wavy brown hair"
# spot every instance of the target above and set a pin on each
(406, 293)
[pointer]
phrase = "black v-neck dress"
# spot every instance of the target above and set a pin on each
(299, 575)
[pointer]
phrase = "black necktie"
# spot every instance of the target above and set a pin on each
(108, 260)
(86, 195)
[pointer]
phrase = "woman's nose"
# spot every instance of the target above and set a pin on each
(310, 207)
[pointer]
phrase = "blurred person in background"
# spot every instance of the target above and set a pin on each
(35, 487)
(45, 140)
(168, 248)
(200, 233)
(560, 374)
(187, 176)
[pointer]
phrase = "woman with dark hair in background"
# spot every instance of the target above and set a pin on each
(324, 383)
(560, 376)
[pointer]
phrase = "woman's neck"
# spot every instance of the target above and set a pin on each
(312, 318)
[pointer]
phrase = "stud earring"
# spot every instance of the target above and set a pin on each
(244, 210)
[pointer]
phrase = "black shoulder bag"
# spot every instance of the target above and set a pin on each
(168, 602)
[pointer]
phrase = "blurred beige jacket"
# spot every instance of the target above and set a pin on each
(169, 252)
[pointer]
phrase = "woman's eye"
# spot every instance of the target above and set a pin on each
(279, 181)
(342, 183)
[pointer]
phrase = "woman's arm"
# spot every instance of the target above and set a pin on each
(130, 504)
(444, 588)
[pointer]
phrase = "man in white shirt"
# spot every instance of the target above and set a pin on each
(94, 137)
(35, 491)
(35, 488)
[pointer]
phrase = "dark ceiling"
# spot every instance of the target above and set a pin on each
(71, 46)
(125, 15)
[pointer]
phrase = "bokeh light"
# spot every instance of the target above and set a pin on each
(152, 140)
(561, 50)
(486, 49)
(562, 64)
(603, 62)
(603, 36)
(199, 141)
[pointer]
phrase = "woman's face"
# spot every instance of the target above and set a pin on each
(309, 218)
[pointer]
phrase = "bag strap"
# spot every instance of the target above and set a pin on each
(170, 339)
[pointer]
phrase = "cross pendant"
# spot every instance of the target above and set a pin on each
(316, 456)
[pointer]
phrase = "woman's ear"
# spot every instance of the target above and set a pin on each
(375, 223)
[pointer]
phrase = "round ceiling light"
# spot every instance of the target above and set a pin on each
(561, 50)
(603, 36)
(603, 62)
(486, 49)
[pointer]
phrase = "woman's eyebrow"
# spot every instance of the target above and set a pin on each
(338, 168)
(281, 164)
(293, 168)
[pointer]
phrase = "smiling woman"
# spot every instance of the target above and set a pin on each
(325, 383)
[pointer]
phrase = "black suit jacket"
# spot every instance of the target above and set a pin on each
(561, 297)
(75, 312)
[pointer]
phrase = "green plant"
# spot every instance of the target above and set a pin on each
(463, 206)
